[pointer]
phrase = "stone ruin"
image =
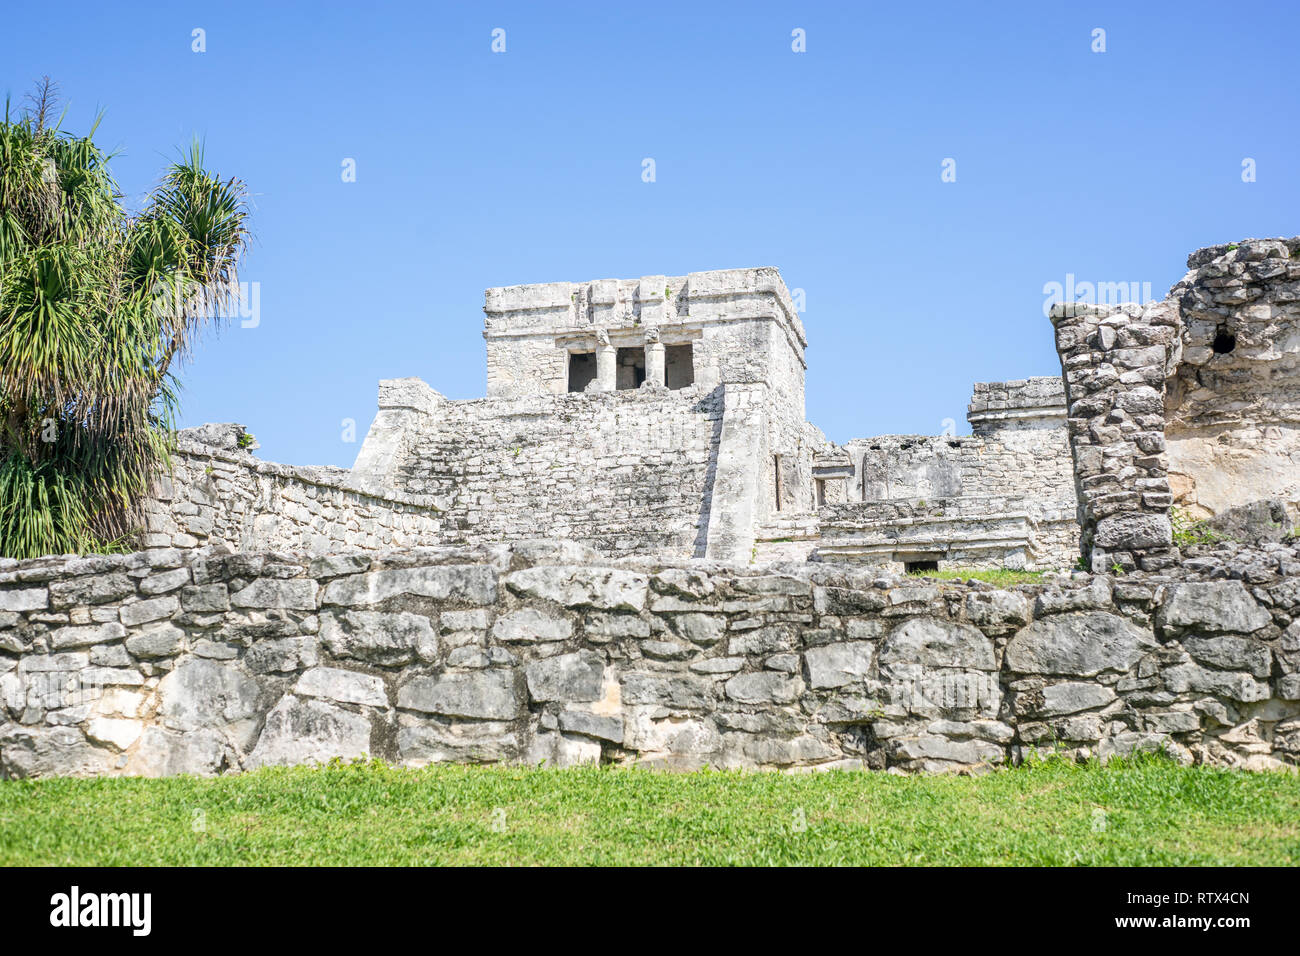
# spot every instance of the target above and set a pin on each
(1192, 402)
(665, 416)
(635, 549)
(660, 416)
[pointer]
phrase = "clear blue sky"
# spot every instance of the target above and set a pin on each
(477, 169)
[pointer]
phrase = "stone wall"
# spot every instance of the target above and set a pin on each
(1019, 447)
(623, 471)
(171, 661)
(219, 493)
(1232, 402)
(1002, 497)
(971, 531)
(1193, 400)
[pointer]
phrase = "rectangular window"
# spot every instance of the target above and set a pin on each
(629, 368)
(582, 370)
(679, 366)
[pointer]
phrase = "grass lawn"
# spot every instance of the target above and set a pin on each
(1002, 577)
(1149, 811)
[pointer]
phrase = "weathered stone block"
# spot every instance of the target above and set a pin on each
(65, 638)
(687, 693)
(297, 594)
(161, 640)
(836, 665)
(346, 687)
(764, 687)
(531, 626)
(1212, 606)
(484, 695)
(1079, 643)
(567, 677)
(205, 598)
(303, 731)
(572, 586)
(379, 637)
(142, 612)
(205, 693)
(467, 583)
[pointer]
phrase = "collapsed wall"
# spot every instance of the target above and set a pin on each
(1192, 401)
(172, 661)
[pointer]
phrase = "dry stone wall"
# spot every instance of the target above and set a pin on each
(973, 531)
(171, 661)
(220, 494)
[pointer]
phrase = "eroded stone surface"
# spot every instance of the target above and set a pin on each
(880, 672)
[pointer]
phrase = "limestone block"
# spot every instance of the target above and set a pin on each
(764, 687)
(346, 687)
(1079, 643)
(66, 638)
(378, 637)
(302, 731)
(42, 752)
(1215, 606)
(574, 586)
(836, 665)
(473, 584)
(293, 593)
(159, 640)
(205, 693)
(155, 609)
(165, 753)
(531, 626)
(484, 695)
(678, 692)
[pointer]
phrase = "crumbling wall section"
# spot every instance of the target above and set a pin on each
(1192, 400)
(1232, 402)
(1114, 362)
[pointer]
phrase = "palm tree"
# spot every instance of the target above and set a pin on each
(97, 308)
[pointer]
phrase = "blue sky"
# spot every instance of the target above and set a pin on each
(476, 169)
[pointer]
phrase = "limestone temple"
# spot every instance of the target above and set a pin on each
(636, 548)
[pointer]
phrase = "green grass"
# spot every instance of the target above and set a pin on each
(1187, 531)
(1001, 576)
(1149, 811)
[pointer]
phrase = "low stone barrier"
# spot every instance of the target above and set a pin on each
(171, 661)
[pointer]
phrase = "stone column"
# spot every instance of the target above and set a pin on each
(1113, 360)
(605, 363)
(654, 360)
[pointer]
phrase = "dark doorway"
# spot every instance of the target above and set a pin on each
(630, 368)
(582, 370)
(679, 365)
